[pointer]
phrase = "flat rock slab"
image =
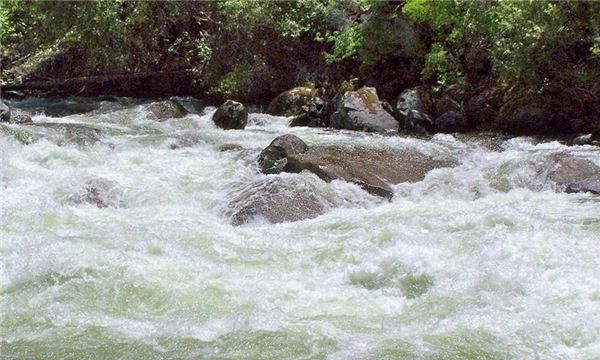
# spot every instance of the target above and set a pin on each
(374, 170)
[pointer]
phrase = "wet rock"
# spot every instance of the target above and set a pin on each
(21, 118)
(276, 201)
(294, 102)
(82, 135)
(451, 121)
(416, 99)
(582, 139)
(362, 110)
(230, 147)
(574, 174)
(231, 115)
(100, 192)
(4, 112)
(419, 123)
(167, 109)
(489, 140)
(273, 158)
(79, 134)
(373, 170)
(307, 119)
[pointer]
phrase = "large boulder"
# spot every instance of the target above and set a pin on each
(167, 109)
(373, 170)
(4, 112)
(415, 99)
(294, 102)
(274, 200)
(273, 158)
(362, 110)
(231, 115)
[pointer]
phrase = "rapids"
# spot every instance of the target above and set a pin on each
(486, 260)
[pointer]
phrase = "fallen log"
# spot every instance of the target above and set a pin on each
(138, 84)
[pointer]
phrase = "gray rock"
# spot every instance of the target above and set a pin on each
(582, 139)
(231, 115)
(167, 109)
(373, 170)
(362, 110)
(416, 99)
(574, 174)
(273, 159)
(276, 201)
(418, 122)
(4, 112)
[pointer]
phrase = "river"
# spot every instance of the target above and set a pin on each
(486, 260)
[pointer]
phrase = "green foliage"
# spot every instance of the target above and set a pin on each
(346, 43)
(524, 40)
(235, 84)
(289, 18)
(244, 45)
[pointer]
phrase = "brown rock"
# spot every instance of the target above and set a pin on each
(168, 109)
(373, 170)
(291, 102)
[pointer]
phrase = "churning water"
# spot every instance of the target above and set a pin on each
(116, 243)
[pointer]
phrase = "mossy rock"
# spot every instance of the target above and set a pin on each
(292, 102)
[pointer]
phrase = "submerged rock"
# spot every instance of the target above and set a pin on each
(79, 134)
(362, 110)
(293, 102)
(100, 192)
(167, 109)
(273, 158)
(374, 170)
(231, 115)
(276, 201)
(230, 147)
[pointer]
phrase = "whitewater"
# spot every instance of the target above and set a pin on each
(484, 260)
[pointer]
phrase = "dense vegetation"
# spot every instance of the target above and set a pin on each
(251, 50)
